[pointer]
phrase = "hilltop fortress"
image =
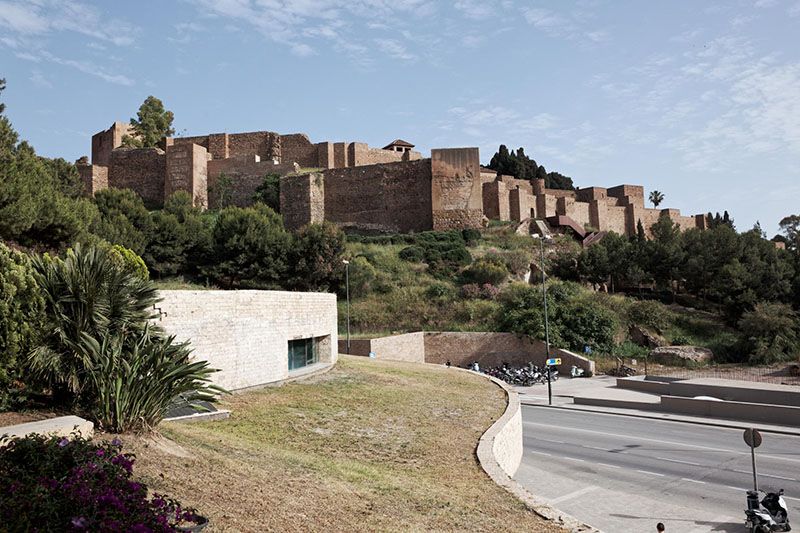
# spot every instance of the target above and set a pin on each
(389, 190)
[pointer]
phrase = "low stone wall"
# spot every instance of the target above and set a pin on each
(755, 412)
(408, 347)
(245, 334)
(463, 348)
(61, 426)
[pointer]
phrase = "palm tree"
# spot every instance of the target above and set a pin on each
(656, 197)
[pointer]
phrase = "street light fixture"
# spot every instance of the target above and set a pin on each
(546, 326)
(347, 292)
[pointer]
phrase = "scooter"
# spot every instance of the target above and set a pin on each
(773, 517)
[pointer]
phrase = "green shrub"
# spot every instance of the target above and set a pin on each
(518, 261)
(651, 314)
(269, 192)
(437, 289)
(85, 294)
(770, 333)
(127, 260)
(362, 276)
(21, 318)
(412, 254)
(488, 269)
(123, 219)
(138, 379)
(353, 237)
(316, 257)
(249, 249)
(587, 323)
(470, 235)
(680, 340)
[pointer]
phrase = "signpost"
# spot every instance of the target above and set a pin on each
(551, 363)
(753, 439)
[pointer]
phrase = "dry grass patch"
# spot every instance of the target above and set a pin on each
(371, 446)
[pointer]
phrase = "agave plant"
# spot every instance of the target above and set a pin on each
(137, 381)
(87, 293)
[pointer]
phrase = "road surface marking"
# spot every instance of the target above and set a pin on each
(693, 480)
(573, 459)
(791, 498)
(734, 488)
(541, 453)
(573, 494)
(611, 466)
(596, 448)
(744, 471)
(677, 461)
(779, 477)
(661, 441)
(648, 472)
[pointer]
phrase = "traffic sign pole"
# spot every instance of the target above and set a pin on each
(752, 437)
(549, 363)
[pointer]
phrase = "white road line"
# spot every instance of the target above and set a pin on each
(660, 441)
(608, 465)
(693, 480)
(734, 488)
(574, 459)
(542, 453)
(596, 448)
(778, 477)
(791, 498)
(677, 461)
(573, 494)
(744, 471)
(648, 472)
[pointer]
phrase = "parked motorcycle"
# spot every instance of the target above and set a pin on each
(774, 516)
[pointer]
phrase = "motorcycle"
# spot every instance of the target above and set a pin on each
(774, 516)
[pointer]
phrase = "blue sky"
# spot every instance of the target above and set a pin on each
(700, 100)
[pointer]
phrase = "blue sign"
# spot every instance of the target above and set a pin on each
(553, 362)
(371, 354)
(588, 350)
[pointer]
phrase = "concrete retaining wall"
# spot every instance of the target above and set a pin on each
(245, 334)
(61, 426)
(743, 393)
(655, 387)
(462, 348)
(764, 413)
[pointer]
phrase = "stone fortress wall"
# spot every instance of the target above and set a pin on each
(387, 190)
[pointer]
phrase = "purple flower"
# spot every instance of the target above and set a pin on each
(99, 453)
(63, 442)
(116, 442)
(79, 522)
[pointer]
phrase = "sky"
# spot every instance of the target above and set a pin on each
(699, 100)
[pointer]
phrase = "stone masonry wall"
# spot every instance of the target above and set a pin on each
(245, 334)
(94, 177)
(361, 154)
(297, 148)
(456, 192)
(407, 347)
(246, 174)
(302, 200)
(105, 141)
(187, 171)
(393, 197)
(140, 169)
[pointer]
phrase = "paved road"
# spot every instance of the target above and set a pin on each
(625, 474)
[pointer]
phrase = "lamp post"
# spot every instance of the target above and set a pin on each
(546, 326)
(347, 292)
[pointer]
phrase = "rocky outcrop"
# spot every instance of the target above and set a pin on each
(642, 337)
(671, 355)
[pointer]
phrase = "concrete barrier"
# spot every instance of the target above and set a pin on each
(655, 387)
(62, 426)
(746, 392)
(754, 412)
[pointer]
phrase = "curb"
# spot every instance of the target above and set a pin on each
(700, 422)
(491, 465)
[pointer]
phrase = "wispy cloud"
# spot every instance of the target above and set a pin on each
(87, 67)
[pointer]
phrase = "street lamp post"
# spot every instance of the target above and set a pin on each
(546, 326)
(347, 292)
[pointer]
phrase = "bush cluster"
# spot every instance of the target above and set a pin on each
(72, 484)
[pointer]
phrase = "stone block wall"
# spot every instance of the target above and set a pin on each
(140, 169)
(94, 177)
(456, 191)
(187, 171)
(105, 141)
(521, 204)
(361, 154)
(407, 347)
(296, 147)
(246, 173)
(495, 200)
(302, 200)
(634, 194)
(245, 334)
(393, 197)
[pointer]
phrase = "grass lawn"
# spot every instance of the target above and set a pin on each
(371, 446)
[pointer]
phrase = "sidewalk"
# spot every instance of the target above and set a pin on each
(636, 403)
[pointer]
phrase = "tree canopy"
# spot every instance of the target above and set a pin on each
(519, 165)
(152, 123)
